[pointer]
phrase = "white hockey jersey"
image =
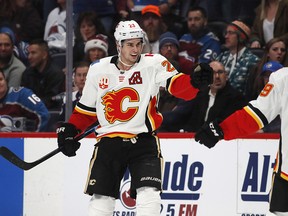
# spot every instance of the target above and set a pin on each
(272, 101)
(125, 103)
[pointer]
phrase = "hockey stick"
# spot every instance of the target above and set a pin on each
(13, 158)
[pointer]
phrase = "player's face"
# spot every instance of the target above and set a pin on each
(130, 50)
(220, 76)
(196, 22)
(277, 52)
(3, 86)
(169, 50)
(6, 46)
(80, 77)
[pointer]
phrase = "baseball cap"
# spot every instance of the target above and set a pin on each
(151, 9)
(271, 66)
(99, 41)
(9, 32)
(242, 27)
(168, 37)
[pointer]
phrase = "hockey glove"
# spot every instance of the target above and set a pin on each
(66, 133)
(209, 134)
(201, 76)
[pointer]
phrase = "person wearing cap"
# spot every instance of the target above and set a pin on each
(169, 48)
(121, 94)
(96, 48)
(199, 44)
(12, 67)
(268, 68)
(136, 7)
(153, 25)
(237, 58)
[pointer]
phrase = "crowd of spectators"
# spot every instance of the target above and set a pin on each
(237, 38)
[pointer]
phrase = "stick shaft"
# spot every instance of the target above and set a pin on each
(13, 158)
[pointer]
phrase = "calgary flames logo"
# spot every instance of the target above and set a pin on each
(114, 105)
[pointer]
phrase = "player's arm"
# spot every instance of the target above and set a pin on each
(238, 124)
(82, 116)
(243, 122)
(187, 87)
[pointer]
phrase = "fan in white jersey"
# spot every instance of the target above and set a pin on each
(271, 102)
(121, 93)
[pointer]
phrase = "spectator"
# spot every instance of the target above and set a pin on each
(88, 25)
(169, 48)
(271, 21)
(80, 73)
(12, 67)
(24, 20)
(153, 25)
(43, 77)
(237, 59)
(55, 28)
(21, 109)
(271, 102)
(136, 7)
(96, 48)
(275, 50)
(218, 101)
(109, 12)
(200, 44)
(270, 67)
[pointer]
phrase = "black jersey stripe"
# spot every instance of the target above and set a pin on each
(260, 115)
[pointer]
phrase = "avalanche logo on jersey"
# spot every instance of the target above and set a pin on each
(103, 82)
(135, 78)
(117, 105)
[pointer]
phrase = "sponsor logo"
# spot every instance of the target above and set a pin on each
(254, 187)
(181, 181)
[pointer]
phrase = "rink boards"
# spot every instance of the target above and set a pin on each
(232, 179)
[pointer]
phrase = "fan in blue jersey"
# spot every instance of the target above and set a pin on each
(20, 109)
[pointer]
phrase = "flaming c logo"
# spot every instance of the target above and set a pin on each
(113, 102)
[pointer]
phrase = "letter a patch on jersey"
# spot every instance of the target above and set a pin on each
(135, 78)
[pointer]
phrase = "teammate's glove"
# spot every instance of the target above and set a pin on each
(209, 134)
(66, 133)
(201, 76)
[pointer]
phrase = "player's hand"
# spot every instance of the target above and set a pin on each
(202, 76)
(209, 134)
(66, 133)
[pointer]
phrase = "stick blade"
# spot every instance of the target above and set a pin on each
(14, 159)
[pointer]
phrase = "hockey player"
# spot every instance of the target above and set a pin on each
(271, 102)
(121, 92)
(21, 102)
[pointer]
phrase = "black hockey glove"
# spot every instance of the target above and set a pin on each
(66, 133)
(202, 76)
(209, 134)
